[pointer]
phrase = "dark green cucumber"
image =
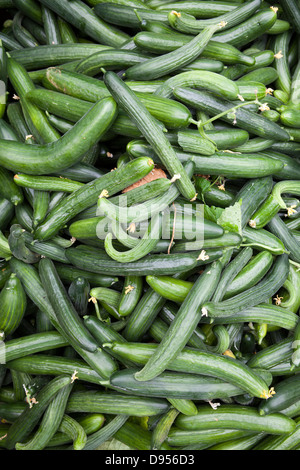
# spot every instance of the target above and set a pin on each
(221, 163)
(114, 403)
(124, 15)
(163, 65)
(199, 362)
(42, 364)
(111, 59)
(184, 23)
(50, 26)
(9, 189)
(250, 275)
(252, 194)
(253, 296)
(38, 159)
(54, 55)
(247, 120)
(47, 183)
(287, 393)
(82, 17)
(86, 257)
(183, 325)
(13, 305)
(79, 294)
(31, 282)
(280, 230)
(31, 415)
(163, 43)
(64, 309)
(148, 126)
(263, 313)
(272, 355)
(249, 30)
(85, 197)
(174, 385)
(31, 344)
(262, 239)
(199, 79)
(236, 417)
(131, 293)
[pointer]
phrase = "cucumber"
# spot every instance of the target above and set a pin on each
(248, 30)
(82, 17)
(114, 403)
(246, 120)
(163, 43)
(86, 257)
(236, 417)
(287, 393)
(84, 197)
(30, 416)
(54, 55)
(66, 314)
(13, 305)
(250, 275)
(253, 296)
(148, 126)
(183, 325)
(199, 362)
(38, 159)
(174, 385)
(184, 23)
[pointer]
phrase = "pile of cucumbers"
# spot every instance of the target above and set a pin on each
(149, 225)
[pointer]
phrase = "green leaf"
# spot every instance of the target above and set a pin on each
(231, 218)
(212, 213)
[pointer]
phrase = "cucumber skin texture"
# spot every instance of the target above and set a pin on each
(26, 345)
(255, 295)
(64, 309)
(172, 114)
(85, 197)
(279, 229)
(252, 194)
(85, 257)
(129, 300)
(50, 56)
(174, 385)
(248, 121)
(272, 355)
(150, 129)
(287, 393)
(30, 416)
(221, 163)
(263, 313)
(160, 66)
(183, 325)
(87, 228)
(249, 30)
(236, 417)
(12, 305)
(34, 289)
(211, 81)
(114, 403)
(170, 288)
(39, 159)
(198, 362)
(254, 271)
(82, 17)
(42, 364)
